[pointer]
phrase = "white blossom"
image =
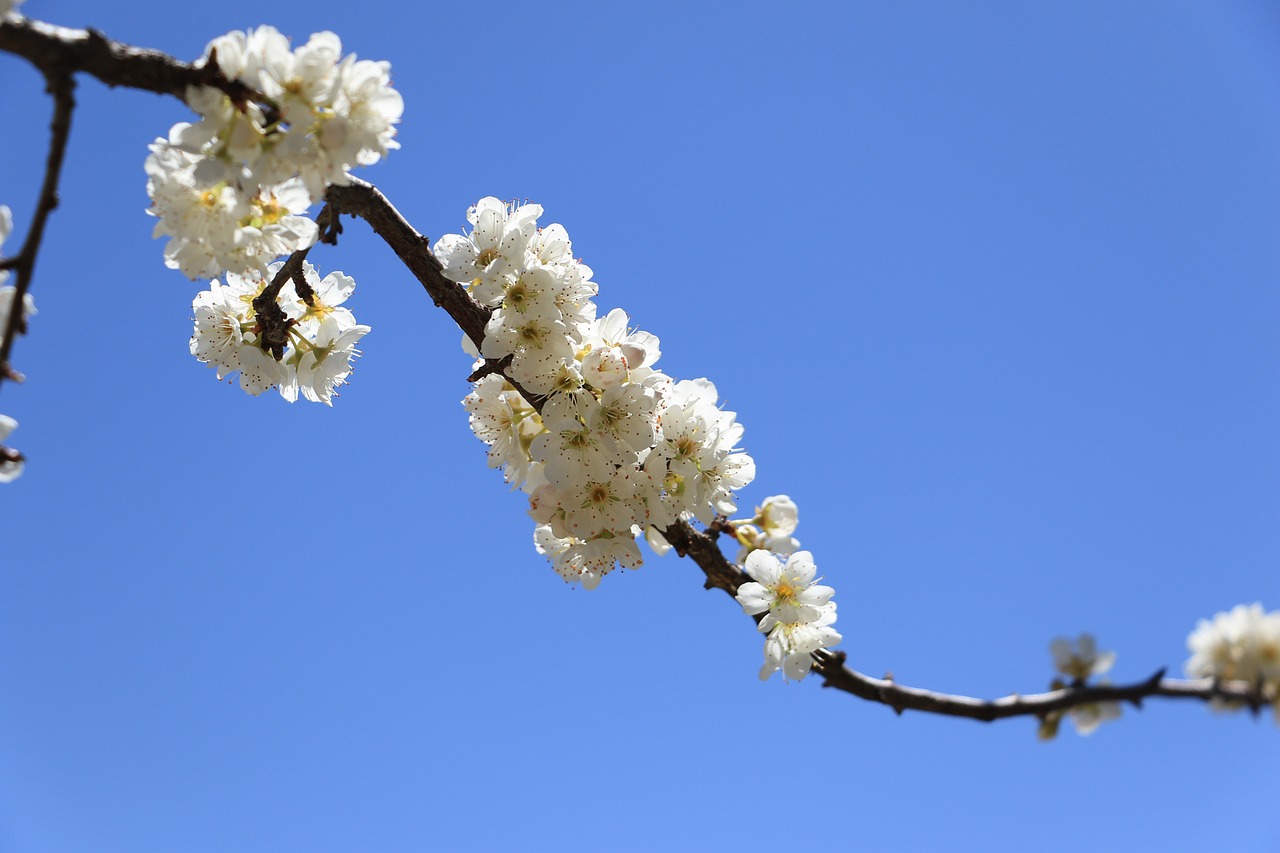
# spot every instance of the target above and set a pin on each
(6, 228)
(7, 293)
(224, 339)
(1087, 717)
(1242, 644)
(323, 362)
(11, 464)
(1081, 660)
(784, 593)
(494, 253)
(790, 645)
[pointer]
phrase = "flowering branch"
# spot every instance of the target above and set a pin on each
(901, 698)
(722, 574)
(61, 86)
(789, 596)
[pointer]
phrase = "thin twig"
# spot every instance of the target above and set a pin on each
(61, 86)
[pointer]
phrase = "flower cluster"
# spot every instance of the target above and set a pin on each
(323, 113)
(301, 342)
(220, 226)
(1079, 661)
(229, 190)
(798, 611)
(7, 6)
(612, 447)
(1242, 644)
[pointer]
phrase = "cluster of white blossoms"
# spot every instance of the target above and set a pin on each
(1080, 661)
(7, 6)
(317, 336)
(797, 611)
(220, 227)
(614, 447)
(1242, 644)
(231, 192)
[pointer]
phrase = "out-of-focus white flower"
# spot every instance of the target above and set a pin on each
(11, 462)
(1242, 644)
(1088, 717)
(778, 516)
(6, 228)
(7, 6)
(1081, 660)
(7, 291)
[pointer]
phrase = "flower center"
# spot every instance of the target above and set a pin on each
(686, 447)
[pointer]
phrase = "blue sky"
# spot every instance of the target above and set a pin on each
(992, 286)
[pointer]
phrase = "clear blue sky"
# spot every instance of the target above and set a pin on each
(994, 287)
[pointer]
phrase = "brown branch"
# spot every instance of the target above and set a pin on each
(55, 49)
(414, 250)
(62, 87)
(272, 323)
(830, 665)
(64, 50)
(703, 549)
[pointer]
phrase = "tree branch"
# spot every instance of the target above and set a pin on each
(61, 86)
(63, 50)
(59, 51)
